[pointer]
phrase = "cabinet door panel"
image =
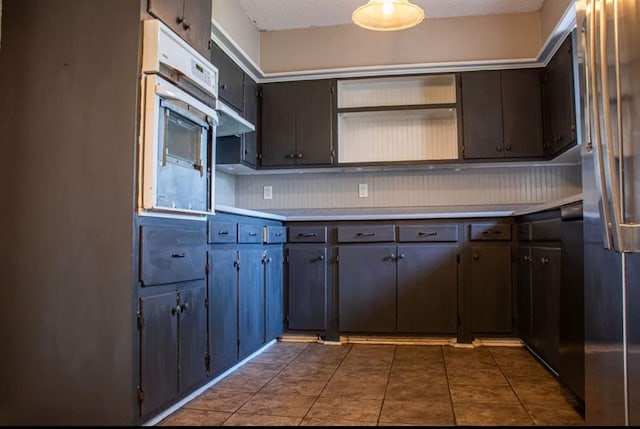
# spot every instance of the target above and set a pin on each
(428, 289)
(546, 302)
(250, 301)
(250, 140)
(313, 122)
(525, 323)
(230, 79)
(168, 11)
(307, 288)
(192, 326)
(367, 288)
(198, 16)
(278, 127)
(482, 114)
(491, 289)
(522, 113)
(223, 309)
(158, 351)
(274, 300)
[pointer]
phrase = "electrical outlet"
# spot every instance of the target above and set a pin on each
(363, 190)
(268, 193)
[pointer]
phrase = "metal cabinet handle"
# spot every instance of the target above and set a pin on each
(253, 234)
(365, 234)
(527, 258)
(311, 234)
(401, 256)
(223, 232)
(278, 234)
(490, 231)
(178, 255)
(428, 234)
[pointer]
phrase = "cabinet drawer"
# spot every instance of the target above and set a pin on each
(366, 233)
(524, 231)
(275, 234)
(248, 233)
(170, 255)
(501, 231)
(307, 234)
(428, 233)
(546, 230)
(223, 232)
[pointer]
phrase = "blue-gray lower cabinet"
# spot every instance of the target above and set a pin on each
(307, 287)
(173, 345)
(223, 308)
(251, 300)
(274, 296)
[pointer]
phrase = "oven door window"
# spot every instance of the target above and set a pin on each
(184, 134)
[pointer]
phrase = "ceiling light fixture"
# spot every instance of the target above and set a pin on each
(388, 15)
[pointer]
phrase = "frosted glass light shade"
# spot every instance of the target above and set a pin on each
(388, 15)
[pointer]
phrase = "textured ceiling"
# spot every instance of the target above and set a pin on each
(272, 15)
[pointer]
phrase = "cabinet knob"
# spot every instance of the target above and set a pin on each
(476, 256)
(544, 260)
(175, 310)
(184, 307)
(223, 86)
(499, 148)
(180, 19)
(527, 258)
(321, 258)
(299, 156)
(292, 155)
(401, 256)
(186, 25)
(392, 256)
(507, 148)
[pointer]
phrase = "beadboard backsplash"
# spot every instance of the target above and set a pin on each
(416, 188)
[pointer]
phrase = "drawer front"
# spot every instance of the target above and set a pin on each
(501, 231)
(524, 231)
(546, 230)
(275, 234)
(223, 232)
(307, 234)
(366, 233)
(248, 233)
(428, 233)
(170, 255)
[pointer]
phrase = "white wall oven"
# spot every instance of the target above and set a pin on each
(178, 126)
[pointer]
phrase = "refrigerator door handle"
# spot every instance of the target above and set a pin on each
(593, 116)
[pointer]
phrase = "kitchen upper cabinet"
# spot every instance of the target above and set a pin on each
(190, 19)
(296, 126)
(558, 98)
(502, 114)
(173, 345)
(230, 79)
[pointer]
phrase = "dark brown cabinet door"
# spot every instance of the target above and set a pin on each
(502, 114)
(546, 277)
(278, 126)
(190, 19)
(230, 79)
(367, 288)
(482, 115)
(296, 126)
(491, 310)
(524, 293)
(428, 289)
(522, 113)
(559, 101)
(249, 154)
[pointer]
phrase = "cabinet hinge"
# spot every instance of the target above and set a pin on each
(140, 320)
(140, 395)
(286, 259)
(209, 44)
(206, 268)
(463, 148)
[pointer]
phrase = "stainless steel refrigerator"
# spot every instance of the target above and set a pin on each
(608, 33)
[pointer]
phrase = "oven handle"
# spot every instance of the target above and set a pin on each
(204, 123)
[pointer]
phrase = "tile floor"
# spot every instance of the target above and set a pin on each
(311, 384)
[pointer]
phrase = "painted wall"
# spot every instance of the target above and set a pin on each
(552, 11)
(227, 15)
(447, 40)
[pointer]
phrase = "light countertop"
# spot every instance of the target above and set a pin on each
(398, 213)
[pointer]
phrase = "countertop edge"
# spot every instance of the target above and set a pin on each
(535, 208)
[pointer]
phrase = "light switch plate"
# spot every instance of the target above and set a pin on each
(363, 190)
(268, 193)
